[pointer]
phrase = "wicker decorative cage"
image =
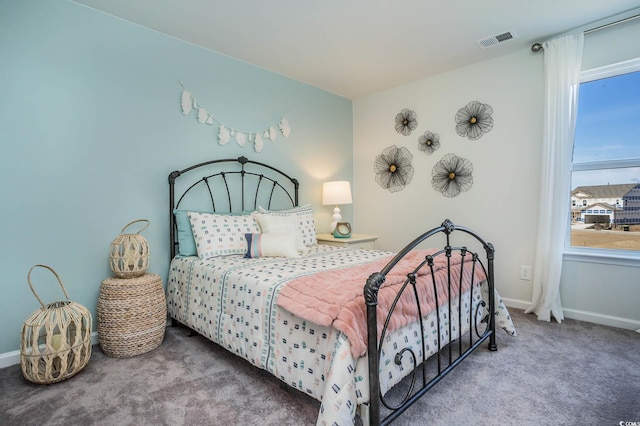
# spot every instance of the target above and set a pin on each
(129, 254)
(56, 339)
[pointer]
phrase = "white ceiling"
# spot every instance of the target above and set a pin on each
(357, 47)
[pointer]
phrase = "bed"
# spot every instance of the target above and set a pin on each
(339, 324)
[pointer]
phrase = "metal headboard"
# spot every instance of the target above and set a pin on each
(250, 181)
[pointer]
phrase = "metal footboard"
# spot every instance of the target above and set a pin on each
(451, 351)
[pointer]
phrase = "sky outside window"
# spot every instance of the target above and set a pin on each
(608, 128)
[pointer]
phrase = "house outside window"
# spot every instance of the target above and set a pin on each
(605, 177)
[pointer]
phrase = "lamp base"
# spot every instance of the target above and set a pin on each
(336, 235)
(337, 217)
(343, 230)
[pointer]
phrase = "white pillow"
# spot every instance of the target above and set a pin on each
(276, 224)
(305, 221)
(271, 245)
(220, 235)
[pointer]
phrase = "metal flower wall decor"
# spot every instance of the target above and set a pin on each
(452, 175)
(429, 142)
(393, 168)
(474, 120)
(406, 122)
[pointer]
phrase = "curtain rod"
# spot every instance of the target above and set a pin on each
(538, 46)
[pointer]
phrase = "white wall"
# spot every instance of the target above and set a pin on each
(502, 204)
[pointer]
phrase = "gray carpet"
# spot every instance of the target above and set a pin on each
(575, 373)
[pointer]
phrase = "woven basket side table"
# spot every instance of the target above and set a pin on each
(132, 315)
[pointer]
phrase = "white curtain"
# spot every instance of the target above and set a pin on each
(562, 62)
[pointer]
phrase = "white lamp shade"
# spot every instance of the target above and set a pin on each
(336, 192)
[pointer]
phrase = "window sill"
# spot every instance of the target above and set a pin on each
(603, 256)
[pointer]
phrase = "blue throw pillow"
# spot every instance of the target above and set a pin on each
(186, 243)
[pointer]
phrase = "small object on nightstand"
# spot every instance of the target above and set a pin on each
(343, 230)
(361, 241)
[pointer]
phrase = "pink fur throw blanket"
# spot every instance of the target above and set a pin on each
(335, 298)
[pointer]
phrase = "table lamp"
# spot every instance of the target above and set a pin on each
(335, 193)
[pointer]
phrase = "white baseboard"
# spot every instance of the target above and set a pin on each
(515, 303)
(8, 359)
(12, 358)
(610, 320)
(594, 317)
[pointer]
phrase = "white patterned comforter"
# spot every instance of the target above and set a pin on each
(232, 301)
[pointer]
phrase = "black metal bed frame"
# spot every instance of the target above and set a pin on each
(218, 178)
(374, 346)
(244, 168)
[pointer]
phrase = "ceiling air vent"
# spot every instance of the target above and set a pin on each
(496, 39)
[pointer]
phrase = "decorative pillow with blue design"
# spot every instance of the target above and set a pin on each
(221, 235)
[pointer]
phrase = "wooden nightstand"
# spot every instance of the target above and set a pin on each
(363, 241)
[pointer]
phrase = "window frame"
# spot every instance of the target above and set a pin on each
(590, 254)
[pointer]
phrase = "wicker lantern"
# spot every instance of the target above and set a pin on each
(129, 254)
(56, 339)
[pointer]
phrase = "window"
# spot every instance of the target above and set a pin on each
(606, 161)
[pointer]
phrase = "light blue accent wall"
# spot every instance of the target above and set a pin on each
(91, 126)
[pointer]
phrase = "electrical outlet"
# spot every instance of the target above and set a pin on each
(525, 272)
